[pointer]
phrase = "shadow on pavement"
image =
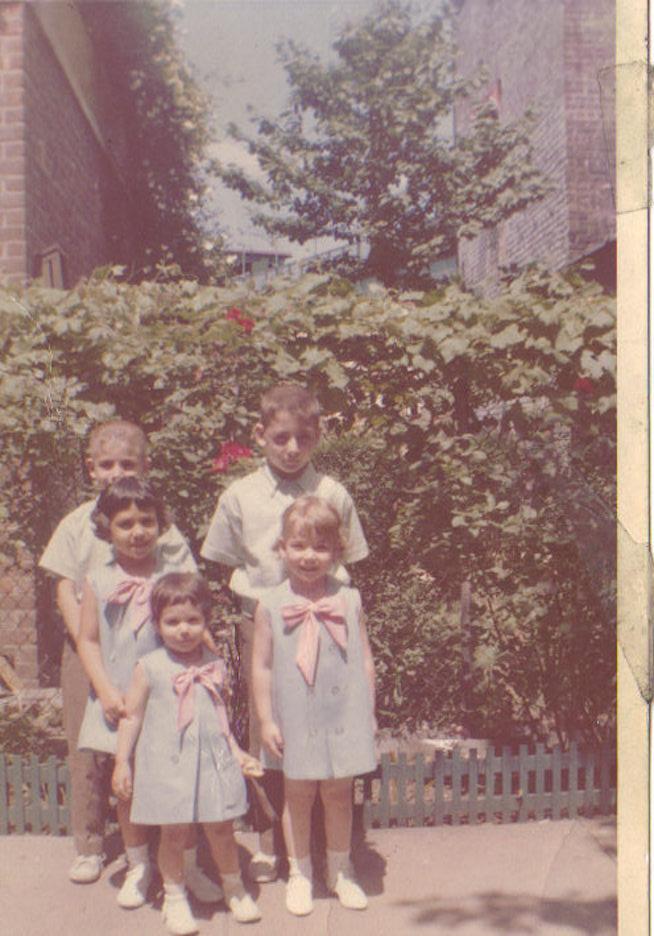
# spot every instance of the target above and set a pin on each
(516, 913)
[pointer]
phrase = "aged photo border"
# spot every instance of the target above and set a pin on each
(634, 506)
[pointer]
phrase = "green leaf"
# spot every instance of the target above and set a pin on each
(510, 335)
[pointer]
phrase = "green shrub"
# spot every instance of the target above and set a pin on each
(476, 437)
(31, 729)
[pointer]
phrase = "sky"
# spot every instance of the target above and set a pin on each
(230, 46)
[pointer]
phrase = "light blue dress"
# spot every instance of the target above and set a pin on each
(188, 776)
(120, 646)
(328, 727)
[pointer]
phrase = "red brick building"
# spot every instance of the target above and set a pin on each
(557, 57)
(63, 154)
(64, 210)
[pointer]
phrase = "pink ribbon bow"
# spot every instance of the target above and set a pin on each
(212, 677)
(310, 614)
(138, 591)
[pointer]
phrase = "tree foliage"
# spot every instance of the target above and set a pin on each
(365, 150)
(477, 438)
(166, 118)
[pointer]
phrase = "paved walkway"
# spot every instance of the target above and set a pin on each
(544, 878)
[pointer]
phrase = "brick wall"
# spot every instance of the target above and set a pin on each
(12, 144)
(60, 184)
(590, 108)
(545, 54)
(70, 184)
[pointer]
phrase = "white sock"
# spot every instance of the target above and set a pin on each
(137, 855)
(174, 890)
(300, 866)
(336, 861)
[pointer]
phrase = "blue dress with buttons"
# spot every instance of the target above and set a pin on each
(120, 645)
(328, 727)
(188, 776)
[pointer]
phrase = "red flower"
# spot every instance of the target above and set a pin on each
(230, 452)
(235, 315)
(585, 386)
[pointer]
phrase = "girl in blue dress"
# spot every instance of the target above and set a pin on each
(115, 630)
(188, 768)
(313, 679)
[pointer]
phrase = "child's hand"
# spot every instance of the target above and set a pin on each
(272, 738)
(113, 705)
(250, 766)
(121, 780)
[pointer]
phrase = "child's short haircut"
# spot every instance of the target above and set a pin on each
(120, 496)
(176, 588)
(117, 430)
(290, 398)
(316, 518)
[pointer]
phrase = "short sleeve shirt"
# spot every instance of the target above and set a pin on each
(74, 549)
(247, 524)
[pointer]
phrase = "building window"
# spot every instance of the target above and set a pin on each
(51, 268)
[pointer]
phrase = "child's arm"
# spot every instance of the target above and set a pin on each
(69, 606)
(88, 647)
(368, 663)
(262, 651)
(128, 732)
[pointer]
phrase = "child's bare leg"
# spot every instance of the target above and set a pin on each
(135, 838)
(296, 821)
(198, 882)
(336, 796)
(220, 836)
(172, 842)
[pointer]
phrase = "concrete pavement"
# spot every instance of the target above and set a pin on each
(545, 878)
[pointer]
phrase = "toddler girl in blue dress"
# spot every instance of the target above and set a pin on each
(313, 679)
(188, 766)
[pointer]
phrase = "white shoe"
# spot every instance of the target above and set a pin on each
(85, 869)
(244, 909)
(177, 915)
(201, 886)
(349, 893)
(263, 868)
(135, 887)
(299, 899)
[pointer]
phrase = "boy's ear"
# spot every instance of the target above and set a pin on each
(258, 432)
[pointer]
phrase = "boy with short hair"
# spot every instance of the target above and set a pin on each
(116, 449)
(245, 527)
